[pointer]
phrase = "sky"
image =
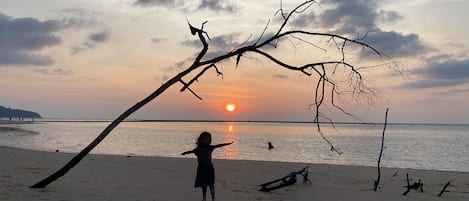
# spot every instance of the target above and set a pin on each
(93, 59)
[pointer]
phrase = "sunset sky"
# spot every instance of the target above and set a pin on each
(92, 59)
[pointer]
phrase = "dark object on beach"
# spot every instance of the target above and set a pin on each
(414, 186)
(270, 145)
(444, 189)
(376, 183)
(286, 180)
(57, 150)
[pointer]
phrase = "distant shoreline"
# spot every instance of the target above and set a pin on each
(221, 121)
(16, 122)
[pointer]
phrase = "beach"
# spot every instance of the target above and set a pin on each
(113, 177)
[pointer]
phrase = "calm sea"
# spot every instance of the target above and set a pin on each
(434, 147)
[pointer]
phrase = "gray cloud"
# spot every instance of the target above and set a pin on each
(431, 83)
(56, 71)
(360, 18)
(151, 3)
(350, 16)
(93, 39)
(99, 37)
(217, 5)
(213, 5)
(303, 20)
(450, 69)
(79, 22)
(218, 45)
(17, 58)
(78, 18)
(20, 37)
(389, 16)
(156, 40)
(396, 44)
(441, 74)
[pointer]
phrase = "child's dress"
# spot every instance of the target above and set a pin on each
(205, 171)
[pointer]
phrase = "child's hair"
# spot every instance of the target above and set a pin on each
(202, 135)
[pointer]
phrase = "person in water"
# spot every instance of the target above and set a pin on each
(270, 145)
(205, 171)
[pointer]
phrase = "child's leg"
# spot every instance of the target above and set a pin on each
(204, 193)
(212, 191)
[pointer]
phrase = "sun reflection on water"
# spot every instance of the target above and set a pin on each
(231, 151)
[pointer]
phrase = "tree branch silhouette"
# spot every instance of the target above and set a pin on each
(314, 68)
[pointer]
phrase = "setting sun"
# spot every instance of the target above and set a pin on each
(231, 107)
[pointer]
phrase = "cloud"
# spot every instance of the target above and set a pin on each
(156, 40)
(151, 3)
(217, 5)
(99, 37)
(93, 39)
(303, 20)
(350, 16)
(357, 18)
(441, 74)
(450, 69)
(21, 37)
(389, 16)
(396, 44)
(431, 83)
(79, 22)
(20, 58)
(217, 45)
(78, 18)
(56, 71)
(280, 76)
(213, 5)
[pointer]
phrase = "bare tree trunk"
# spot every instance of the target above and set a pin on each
(75, 160)
(178, 78)
(308, 69)
(381, 151)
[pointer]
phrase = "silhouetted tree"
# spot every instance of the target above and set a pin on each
(260, 47)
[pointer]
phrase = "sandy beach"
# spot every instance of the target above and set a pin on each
(106, 177)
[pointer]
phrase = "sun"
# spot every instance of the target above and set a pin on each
(231, 107)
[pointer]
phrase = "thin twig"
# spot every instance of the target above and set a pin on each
(444, 189)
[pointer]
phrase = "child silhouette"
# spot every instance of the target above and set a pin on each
(205, 171)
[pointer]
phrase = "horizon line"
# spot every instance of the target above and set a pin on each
(241, 121)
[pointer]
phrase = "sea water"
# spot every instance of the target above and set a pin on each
(433, 147)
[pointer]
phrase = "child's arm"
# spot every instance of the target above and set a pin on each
(221, 145)
(188, 152)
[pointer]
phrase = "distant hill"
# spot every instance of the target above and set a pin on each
(17, 113)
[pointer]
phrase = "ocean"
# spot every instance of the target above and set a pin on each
(419, 146)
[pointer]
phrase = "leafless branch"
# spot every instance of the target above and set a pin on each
(312, 68)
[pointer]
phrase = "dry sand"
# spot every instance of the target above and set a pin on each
(121, 178)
